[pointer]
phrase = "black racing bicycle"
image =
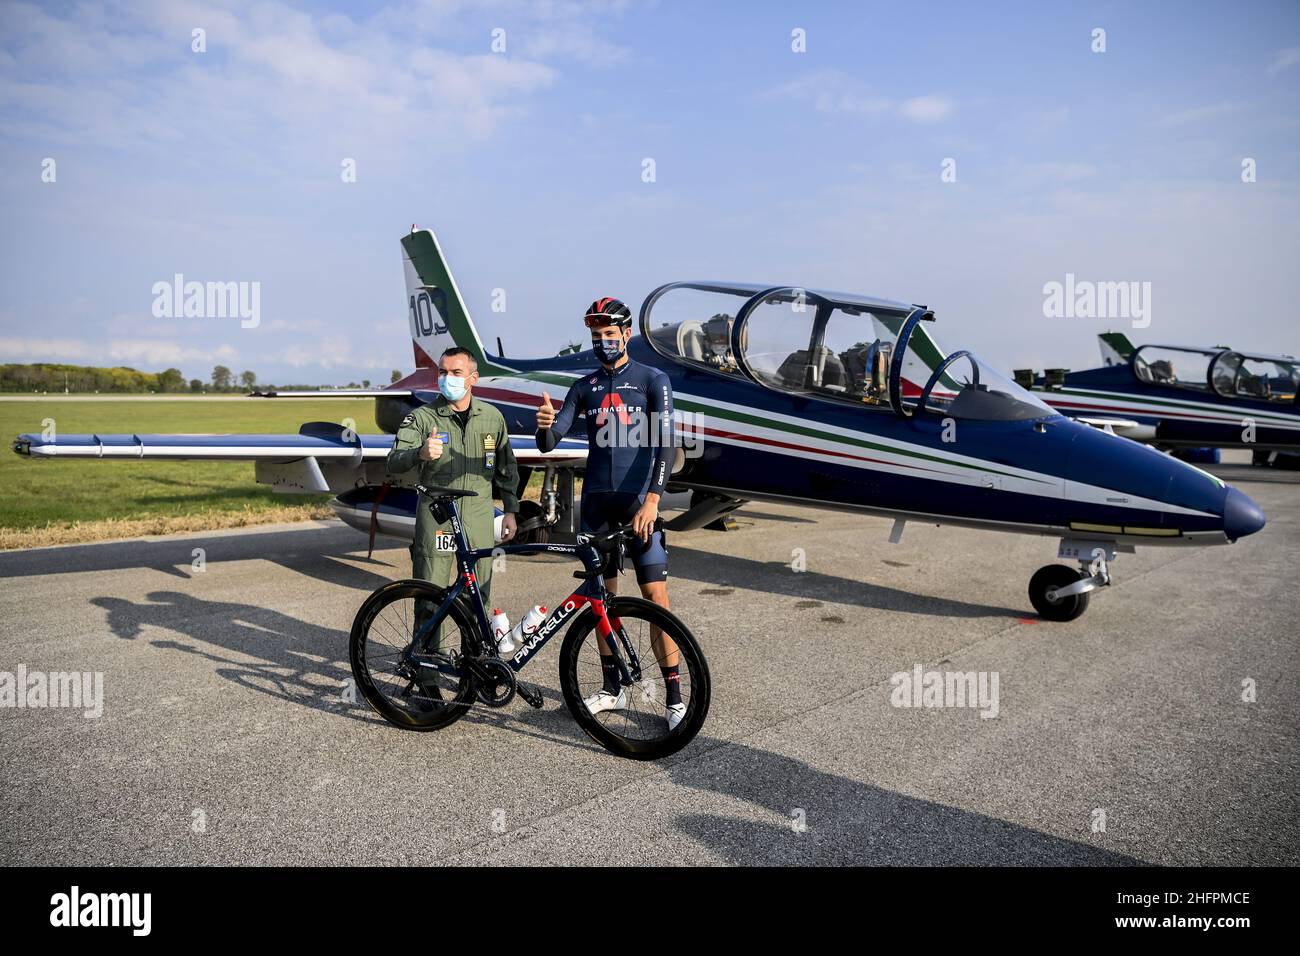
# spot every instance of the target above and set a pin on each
(423, 655)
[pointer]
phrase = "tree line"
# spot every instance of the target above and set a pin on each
(55, 377)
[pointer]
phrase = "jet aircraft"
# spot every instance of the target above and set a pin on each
(1179, 397)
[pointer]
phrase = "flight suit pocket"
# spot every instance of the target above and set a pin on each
(440, 471)
(478, 446)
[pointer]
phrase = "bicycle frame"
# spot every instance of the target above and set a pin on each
(467, 582)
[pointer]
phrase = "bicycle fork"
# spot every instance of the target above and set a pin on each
(606, 628)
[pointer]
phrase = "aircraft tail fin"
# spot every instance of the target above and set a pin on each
(1115, 348)
(436, 311)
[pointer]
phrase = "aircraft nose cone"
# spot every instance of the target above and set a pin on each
(1241, 516)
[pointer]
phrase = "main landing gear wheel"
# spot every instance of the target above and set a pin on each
(1050, 605)
(532, 524)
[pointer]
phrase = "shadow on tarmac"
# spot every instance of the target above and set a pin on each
(268, 651)
(846, 822)
(775, 577)
(275, 654)
(314, 551)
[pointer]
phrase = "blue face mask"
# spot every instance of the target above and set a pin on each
(452, 387)
(609, 351)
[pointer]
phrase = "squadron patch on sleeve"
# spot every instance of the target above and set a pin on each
(410, 417)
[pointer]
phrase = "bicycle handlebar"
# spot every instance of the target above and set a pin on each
(605, 542)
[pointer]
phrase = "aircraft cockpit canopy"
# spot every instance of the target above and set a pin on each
(827, 345)
(1173, 365)
(1274, 378)
(1225, 372)
(693, 323)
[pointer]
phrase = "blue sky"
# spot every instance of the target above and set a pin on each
(819, 168)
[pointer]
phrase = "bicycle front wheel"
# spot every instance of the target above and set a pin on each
(647, 639)
(417, 691)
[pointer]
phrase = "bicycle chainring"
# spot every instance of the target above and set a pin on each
(500, 687)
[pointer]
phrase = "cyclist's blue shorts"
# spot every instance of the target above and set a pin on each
(604, 510)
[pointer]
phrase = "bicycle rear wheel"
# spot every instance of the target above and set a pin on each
(639, 729)
(416, 692)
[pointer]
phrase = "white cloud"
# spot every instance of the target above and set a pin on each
(574, 41)
(45, 350)
(336, 351)
(1197, 114)
(148, 352)
(831, 91)
(1284, 60)
(1049, 119)
(1046, 173)
(927, 109)
(293, 325)
(331, 353)
(301, 84)
(157, 352)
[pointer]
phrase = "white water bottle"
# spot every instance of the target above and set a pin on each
(528, 626)
(501, 631)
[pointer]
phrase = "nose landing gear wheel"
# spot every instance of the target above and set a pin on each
(1042, 593)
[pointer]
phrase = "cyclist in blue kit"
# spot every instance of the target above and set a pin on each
(628, 408)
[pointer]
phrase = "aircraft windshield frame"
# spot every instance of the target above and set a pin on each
(974, 400)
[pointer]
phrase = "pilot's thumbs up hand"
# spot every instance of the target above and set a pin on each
(431, 450)
(545, 412)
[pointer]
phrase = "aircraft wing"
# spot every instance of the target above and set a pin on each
(1115, 426)
(335, 446)
(335, 393)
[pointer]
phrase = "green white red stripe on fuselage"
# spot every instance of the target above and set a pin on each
(1092, 401)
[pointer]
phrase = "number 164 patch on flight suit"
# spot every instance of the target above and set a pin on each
(489, 451)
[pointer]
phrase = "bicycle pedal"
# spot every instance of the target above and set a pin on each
(531, 694)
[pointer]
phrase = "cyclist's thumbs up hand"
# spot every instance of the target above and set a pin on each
(545, 412)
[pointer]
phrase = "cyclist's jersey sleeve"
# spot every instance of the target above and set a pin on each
(548, 438)
(659, 400)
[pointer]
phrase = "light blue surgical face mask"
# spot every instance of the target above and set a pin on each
(452, 387)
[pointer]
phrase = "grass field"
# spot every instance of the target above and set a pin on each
(56, 502)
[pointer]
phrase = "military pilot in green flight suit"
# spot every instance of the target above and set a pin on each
(457, 441)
